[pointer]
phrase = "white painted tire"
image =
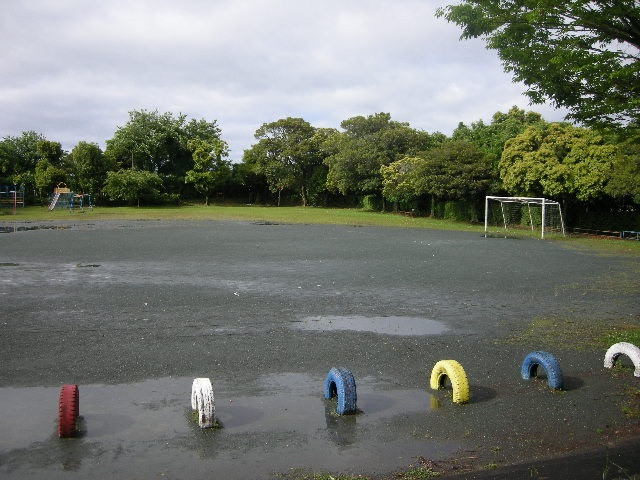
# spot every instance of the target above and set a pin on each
(623, 348)
(202, 401)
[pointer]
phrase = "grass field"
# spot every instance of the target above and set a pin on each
(310, 215)
(300, 215)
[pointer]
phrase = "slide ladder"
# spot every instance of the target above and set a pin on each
(54, 200)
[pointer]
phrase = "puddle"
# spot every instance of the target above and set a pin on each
(389, 325)
(266, 222)
(501, 235)
(7, 229)
(271, 425)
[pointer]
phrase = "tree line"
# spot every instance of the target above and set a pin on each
(371, 161)
(583, 56)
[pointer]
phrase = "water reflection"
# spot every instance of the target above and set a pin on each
(341, 428)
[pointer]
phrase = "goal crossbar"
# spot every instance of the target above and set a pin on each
(542, 202)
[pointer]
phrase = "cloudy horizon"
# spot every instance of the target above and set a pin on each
(72, 70)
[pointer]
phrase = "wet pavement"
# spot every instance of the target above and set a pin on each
(133, 311)
(146, 429)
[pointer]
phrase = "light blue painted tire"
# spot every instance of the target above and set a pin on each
(547, 361)
(340, 382)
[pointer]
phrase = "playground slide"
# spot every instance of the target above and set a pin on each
(54, 200)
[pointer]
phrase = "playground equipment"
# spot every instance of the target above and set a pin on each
(11, 196)
(63, 197)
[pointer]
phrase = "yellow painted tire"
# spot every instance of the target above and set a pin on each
(453, 370)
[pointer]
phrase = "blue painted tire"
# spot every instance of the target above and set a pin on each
(547, 361)
(340, 382)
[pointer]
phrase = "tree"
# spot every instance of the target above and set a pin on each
(624, 182)
(133, 185)
(210, 171)
(288, 154)
(404, 179)
(455, 170)
(458, 170)
(87, 168)
(18, 158)
(47, 176)
(246, 181)
(149, 141)
(158, 142)
(50, 151)
(367, 144)
(492, 137)
(558, 160)
(584, 55)
(48, 171)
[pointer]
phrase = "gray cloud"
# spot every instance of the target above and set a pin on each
(72, 69)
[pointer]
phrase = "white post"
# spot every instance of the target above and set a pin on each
(543, 214)
(504, 219)
(530, 216)
(486, 215)
(561, 219)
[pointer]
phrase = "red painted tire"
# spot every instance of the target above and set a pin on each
(68, 410)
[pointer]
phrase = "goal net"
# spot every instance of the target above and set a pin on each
(522, 213)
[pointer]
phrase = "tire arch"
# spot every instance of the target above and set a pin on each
(452, 370)
(202, 401)
(340, 382)
(548, 362)
(623, 348)
(68, 410)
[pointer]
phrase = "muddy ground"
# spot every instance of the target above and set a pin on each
(132, 311)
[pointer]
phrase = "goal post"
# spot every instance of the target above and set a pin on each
(518, 213)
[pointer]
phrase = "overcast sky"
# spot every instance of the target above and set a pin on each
(73, 69)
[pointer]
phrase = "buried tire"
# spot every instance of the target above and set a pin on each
(453, 370)
(547, 361)
(202, 401)
(68, 410)
(623, 348)
(340, 382)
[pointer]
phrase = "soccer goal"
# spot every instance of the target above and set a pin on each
(518, 213)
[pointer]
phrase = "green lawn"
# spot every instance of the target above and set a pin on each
(310, 215)
(337, 216)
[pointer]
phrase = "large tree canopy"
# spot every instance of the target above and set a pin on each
(158, 142)
(558, 160)
(584, 55)
(87, 168)
(19, 155)
(490, 138)
(455, 170)
(365, 145)
(210, 170)
(133, 185)
(288, 154)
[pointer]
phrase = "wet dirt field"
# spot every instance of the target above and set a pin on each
(133, 311)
